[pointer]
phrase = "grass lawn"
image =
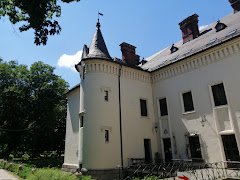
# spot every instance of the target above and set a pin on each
(36, 171)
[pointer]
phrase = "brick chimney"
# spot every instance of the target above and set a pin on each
(189, 28)
(235, 5)
(129, 54)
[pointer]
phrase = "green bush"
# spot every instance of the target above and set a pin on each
(49, 174)
(2, 164)
(43, 162)
(24, 171)
(25, 157)
(10, 157)
(13, 168)
(18, 169)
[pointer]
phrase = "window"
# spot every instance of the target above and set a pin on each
(143, 106)
(220, 26)
(219, 95)
(195, 147)
(163, 107)
(173, 49)
(106, 95)
(230, 147)
(106, 135)
(81, 121)
(188, 101)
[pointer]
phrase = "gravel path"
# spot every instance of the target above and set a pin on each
(5, 175)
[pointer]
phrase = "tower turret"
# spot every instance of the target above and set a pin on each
(98, 48)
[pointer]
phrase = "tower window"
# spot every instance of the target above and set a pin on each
(143, 106)
(106, 98)
(81, 121)
(188, 101)
(106, 136)
(219, 95)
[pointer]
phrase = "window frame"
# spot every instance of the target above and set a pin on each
(81, 121)
(212, 96)
(141, 113)
(103, 90)
(106, 96)
(159, 106)
(182, 102)
(191, 149)
(106, 135)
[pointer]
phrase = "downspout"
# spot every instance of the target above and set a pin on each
(120, 115)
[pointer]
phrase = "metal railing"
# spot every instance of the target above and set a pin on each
(196, 170)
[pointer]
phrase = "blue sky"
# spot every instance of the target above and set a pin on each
(149, 25)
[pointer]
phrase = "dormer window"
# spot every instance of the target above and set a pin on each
(173, 49)
(220, 26)
(143, 61)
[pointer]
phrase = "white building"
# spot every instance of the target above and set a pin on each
(181, 103)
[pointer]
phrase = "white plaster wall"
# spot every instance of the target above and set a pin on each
(72, 129)
(135, 127)
(101, 115)
(198, 81)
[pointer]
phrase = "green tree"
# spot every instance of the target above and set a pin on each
(48, 108)
(32, 108)
(38, 15)
(14, 101)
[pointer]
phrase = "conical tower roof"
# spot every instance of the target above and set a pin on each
(98, 48)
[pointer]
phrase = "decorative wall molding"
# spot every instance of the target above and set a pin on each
(101, 66)
(205, 58)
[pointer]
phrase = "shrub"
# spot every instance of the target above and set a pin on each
(2, 164)
(24, 172)
(10, 157)
(18, 169)
(13, 168)
(25, 157)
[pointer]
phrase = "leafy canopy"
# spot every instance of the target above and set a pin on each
(32, 109)
(38, 15)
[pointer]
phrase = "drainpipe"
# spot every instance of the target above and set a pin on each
(120, 115)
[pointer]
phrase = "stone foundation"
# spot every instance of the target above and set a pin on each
(104, 174)
(70, 168)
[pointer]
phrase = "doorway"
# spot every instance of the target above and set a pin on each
(195, 147)
(230, 147)
(167, 149)
(148, 151)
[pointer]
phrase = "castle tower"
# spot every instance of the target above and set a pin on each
(99, 121)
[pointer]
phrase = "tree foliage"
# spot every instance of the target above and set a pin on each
(32, 109)
(38, 15)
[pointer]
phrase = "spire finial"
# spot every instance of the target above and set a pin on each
(98, 23)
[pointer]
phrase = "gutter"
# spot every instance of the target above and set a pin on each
(120, 115)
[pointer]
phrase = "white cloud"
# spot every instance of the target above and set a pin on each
(69, 61)
(202, 27)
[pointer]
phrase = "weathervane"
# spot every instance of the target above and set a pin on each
(98, 23)
(99, 14)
